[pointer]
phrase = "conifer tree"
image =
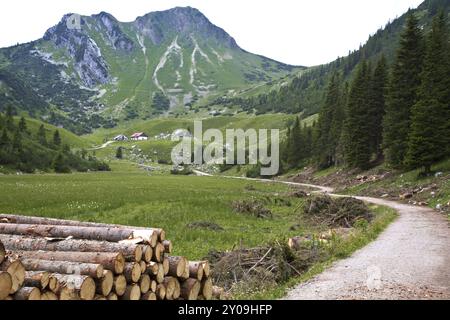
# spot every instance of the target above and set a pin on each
(376, 106)
(357, 150)
(56, 138)
(295, 145)
(119, 153)
(429, 138)
(402, 93)
(41, 135)
(22, 125)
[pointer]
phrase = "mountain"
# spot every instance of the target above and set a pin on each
(91, 71)
(304, 92)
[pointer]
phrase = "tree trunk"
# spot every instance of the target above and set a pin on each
(48, 295)
(110, 261)
(166, 266)
(2, 252)
(17, 271)
(169, 284)
(160, 275)
(87, 233)
(161, 291)
(149, 296)
(10, 218)
(105, 284)
(153, 285)
(84, 286)
(206, 288)
(177, 291)
(112, 296)
(64, 267)
(177, 266)
(120, 285)
(190, 289)
(28, 293)
(132, 292)
(147, 253)
(131, 252)
(196, 270)
(144, 283)
(5, 284)
(158, 252)
(132, 272)
(152, 268)
(167, 246)
(143, 266)
(206, 269)
(38, 279)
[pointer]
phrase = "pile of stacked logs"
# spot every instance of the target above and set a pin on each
(53, 259)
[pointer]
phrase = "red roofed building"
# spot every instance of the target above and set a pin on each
(139, 136)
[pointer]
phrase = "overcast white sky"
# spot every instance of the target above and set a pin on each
(300, 32)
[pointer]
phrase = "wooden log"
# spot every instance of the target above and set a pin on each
(152, 268)
(177, 292)
(218, 293)
(66, 293)
(83, 286)
(120, 285)
(144, 283)
(64, 267)
(112, 296)
(28, 293)
(105, 284)
(2, 252)
(147, 253)
(77, 232)
(38, 279)
(169, 284)
(143, 266)
(206, 269)
(132, 292)
(17, 271)
(5, 284)
(160, 291)
(160, 275)
(158, 252)
(185, 274)
(10, 218)
(149, 296)
(196, 270)
(53, 284)
(206, 288)
(167, 246)
(131, 252)
(190, 289)
(177, 266)
(99, 297)
(111, 261)
(153, 285)
(48, 295)
(132, 272)
(166, 266)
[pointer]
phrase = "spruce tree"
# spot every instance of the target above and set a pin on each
(56, 138)
(295, 145)
(41, 135)
(429, 138)
(9, 119)
(119, 153)
(357, 150)
(376, 106)
(22, 125)
(326, 142)
(402, 93)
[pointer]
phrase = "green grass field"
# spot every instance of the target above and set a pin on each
(131, 197)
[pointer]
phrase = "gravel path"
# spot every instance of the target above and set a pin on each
(409, 260)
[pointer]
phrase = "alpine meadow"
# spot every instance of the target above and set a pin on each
(135, 157)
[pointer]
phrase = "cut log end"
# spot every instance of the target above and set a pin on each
(149, 296)
(145, 283)
(120, 285)
(5, 284)
(190, 289)
(132, 292)
(28, 293)
(106, 283)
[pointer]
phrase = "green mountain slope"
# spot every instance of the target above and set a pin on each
(304, 92)
(100, 71)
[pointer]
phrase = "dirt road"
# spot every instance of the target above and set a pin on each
(409, 260)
